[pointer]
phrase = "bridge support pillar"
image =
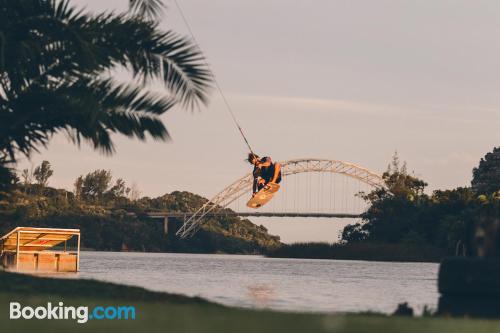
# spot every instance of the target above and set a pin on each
(165, 225)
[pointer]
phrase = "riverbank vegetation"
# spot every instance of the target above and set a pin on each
(359, 251)
(405, 223)
(112, 216)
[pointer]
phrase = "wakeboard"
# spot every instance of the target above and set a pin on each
(263, 196)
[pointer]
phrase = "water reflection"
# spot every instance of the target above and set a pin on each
(282, 284)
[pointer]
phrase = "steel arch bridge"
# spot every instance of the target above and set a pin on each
(290, 167)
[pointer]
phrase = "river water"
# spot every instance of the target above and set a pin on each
(281, 284)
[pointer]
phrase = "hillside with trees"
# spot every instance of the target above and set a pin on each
(112, 215)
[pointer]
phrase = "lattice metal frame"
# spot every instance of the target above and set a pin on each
(291, 167)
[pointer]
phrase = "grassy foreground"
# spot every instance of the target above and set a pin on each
(173, 313)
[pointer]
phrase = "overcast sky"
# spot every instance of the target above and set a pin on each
(348, 80)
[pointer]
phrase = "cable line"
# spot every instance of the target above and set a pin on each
(228, 107)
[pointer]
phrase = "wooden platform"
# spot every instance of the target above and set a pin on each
(29, 249)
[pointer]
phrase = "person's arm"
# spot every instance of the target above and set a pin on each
(277, 168)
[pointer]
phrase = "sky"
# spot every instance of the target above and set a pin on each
(348, 80)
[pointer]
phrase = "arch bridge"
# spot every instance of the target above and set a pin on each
(243, 186)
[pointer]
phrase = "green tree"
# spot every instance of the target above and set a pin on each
(42, 173)
(393, 210)
(56, 65)
(400, 183)
(95, 184)
(120, 189)
(486, 176)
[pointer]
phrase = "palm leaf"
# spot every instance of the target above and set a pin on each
(55, 62)
(151, 9)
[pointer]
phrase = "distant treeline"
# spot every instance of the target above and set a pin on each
(404, 223)
(111, 216)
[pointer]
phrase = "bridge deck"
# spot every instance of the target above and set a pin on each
(254, 214)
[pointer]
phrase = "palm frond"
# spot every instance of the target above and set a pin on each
(184, 69)
(54, 60)
(153, 55)
(150, 9)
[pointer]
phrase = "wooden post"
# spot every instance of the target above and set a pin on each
(165, 225)
(78, 255)
(17, 250)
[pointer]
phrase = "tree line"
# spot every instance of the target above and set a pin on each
(460, 221)
(95, 187)
(113, 215)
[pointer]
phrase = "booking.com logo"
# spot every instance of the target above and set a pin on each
(81, 313)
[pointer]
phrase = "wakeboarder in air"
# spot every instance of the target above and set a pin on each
(265, 172)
